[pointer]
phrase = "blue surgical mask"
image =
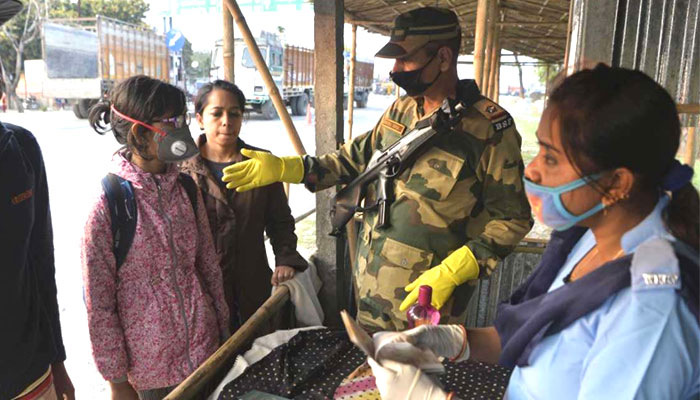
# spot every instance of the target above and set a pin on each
(548, 207)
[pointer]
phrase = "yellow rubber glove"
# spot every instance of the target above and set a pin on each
(262, 169)
(455, 269)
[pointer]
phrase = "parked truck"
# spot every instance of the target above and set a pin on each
(292, 69)
(82, 59)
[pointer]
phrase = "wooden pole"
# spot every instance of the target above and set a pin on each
(351, 79)
(480, 41)
(267, 78)
(495, 60)
(228, 46)
(568, 39)
(190, 387)
(488, 51)
(688, 108)
(690, 155)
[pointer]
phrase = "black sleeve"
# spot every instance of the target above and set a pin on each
(41, 251)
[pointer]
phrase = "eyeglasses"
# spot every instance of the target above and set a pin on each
(179, 120)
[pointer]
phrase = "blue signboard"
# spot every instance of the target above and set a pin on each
(175, 40)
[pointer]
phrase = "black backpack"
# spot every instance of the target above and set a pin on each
(122, 210)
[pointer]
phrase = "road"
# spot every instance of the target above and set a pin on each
(76, 160)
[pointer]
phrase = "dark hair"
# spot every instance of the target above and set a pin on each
(139, 97)
(616, 117)
(200, 102)
(453, 44)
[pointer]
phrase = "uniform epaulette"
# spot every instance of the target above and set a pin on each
(500, 119)
(655, 265)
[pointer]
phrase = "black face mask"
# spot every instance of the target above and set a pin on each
(410, 80)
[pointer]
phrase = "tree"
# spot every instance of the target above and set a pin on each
(16, 35)
(131, 11)
(19, 36)
(520, 75)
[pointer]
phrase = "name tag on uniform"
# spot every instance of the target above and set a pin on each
(660, 279)
(393, 125)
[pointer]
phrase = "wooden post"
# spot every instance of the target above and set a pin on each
(480, 41)
(351, 80)
(190, 387)
(228, 46)
(267, 78)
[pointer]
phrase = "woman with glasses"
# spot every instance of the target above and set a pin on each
(238, 221)
(156, 310)
(611, 311)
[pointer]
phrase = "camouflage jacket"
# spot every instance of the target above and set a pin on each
(466, 189)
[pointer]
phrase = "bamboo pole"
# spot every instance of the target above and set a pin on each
(689, 156)
(688, 108)
(488, 51)
(351, 77)
(267, 78)
(190, 387)
(495, 60)
(228, 46)
(498, 79)
(480, 41)
(568, 38)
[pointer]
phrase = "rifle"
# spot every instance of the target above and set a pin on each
(387, 164)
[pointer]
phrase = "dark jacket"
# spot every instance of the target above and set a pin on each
(238, 222)
(30, 337)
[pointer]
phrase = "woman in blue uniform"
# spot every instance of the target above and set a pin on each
(611, 312)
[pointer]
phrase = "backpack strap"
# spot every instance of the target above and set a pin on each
(191, 188)
(123, 214)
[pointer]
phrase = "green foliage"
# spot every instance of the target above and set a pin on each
(542, 72)
(202, 58)
(131, 11)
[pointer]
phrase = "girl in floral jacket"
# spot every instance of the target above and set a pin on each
(160, 314)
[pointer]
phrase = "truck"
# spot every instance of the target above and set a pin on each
(82, 59)
(292, 69)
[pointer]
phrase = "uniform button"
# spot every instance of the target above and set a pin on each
(404, 262)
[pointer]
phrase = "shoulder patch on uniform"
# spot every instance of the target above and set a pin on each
(393, 125)
(655, 266)
(500, 119)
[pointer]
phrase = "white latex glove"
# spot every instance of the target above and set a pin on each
(443, 340)
(396, 381)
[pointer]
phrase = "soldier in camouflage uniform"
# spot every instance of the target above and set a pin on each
(458, 210)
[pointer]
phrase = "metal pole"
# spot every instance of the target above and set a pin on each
(480, 41)
(267, 78)
(228, 46)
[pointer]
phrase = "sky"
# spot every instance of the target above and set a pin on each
(200, 21)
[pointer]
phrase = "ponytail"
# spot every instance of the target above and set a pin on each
(683, 215)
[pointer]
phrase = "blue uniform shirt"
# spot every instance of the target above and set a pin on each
(642, 343)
